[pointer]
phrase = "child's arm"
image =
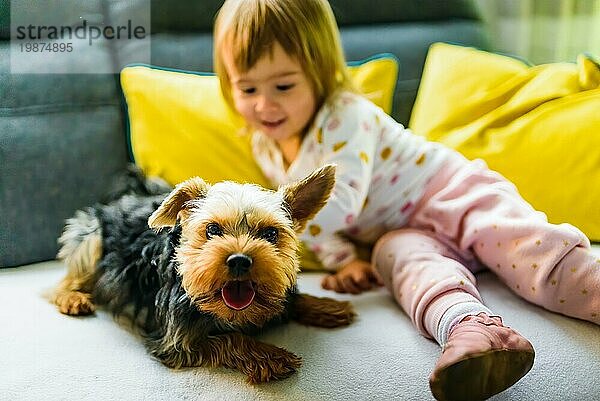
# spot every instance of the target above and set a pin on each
(333, 251)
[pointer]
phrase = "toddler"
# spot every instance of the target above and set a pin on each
(433, 217)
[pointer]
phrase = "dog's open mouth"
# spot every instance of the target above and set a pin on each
(237, 294)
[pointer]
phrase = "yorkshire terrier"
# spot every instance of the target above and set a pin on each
(199, 271)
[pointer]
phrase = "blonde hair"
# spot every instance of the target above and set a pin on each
(306, 29)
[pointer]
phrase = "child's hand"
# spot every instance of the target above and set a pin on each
(355, 277)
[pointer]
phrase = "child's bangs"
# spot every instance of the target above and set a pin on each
(250, 46)
(256, 38)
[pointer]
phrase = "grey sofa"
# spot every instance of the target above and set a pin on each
(62, 142)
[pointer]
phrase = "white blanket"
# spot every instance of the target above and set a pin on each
(49, 356)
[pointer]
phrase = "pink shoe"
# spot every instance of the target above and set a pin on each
(481, 358)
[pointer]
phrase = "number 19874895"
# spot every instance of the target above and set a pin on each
(46, 47)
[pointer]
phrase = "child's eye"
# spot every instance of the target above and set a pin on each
(285, 87)
(248, 91)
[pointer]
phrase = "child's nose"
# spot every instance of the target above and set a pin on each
(265, 103)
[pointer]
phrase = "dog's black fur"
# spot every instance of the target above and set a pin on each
(137, 276)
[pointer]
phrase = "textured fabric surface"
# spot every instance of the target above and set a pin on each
(379, 357)
(22, 94)
(53, 164)
(409, 42)
(196, 15)
(65, 15)
(381, 11)
(4, 19)
(185, 16)
(61, 142)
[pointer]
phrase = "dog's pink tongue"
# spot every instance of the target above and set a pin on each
(238, 294)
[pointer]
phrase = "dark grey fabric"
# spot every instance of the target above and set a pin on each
(54, 14)
(53, 164)
(198, 16)
(61, 142)
(62, 136)
(186, 51)
(43, 93)
(361, 12)
(4, 19)
(184, 16)
(409, 42)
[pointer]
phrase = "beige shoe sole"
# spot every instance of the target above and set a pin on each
(481, 375)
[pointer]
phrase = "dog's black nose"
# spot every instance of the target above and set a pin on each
(239, 264)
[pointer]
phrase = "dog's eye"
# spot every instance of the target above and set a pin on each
(212, 230)
(269, 234)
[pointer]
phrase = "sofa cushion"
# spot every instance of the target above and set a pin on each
(537, 125)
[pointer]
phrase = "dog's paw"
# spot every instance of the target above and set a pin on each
(323, 312)
(332, 313)
(75, 303)
(271, 363)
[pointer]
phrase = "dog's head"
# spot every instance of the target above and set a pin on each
(238, 254)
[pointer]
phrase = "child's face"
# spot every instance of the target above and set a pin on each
(274, 96)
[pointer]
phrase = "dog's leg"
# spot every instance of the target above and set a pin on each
(322, 312)
(260, 362)
(81, 250)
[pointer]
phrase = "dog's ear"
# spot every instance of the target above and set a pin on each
(306, 197)
(175, 202)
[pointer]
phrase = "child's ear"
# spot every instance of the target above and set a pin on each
(175, 202)
(306, 197)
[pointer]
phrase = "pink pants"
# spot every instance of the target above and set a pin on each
(471, 218)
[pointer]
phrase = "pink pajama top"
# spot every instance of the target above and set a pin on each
(382, 169)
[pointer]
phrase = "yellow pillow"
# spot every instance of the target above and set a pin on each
(179, 125)
(539, 126)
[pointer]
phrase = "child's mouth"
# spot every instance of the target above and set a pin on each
(273, 124)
